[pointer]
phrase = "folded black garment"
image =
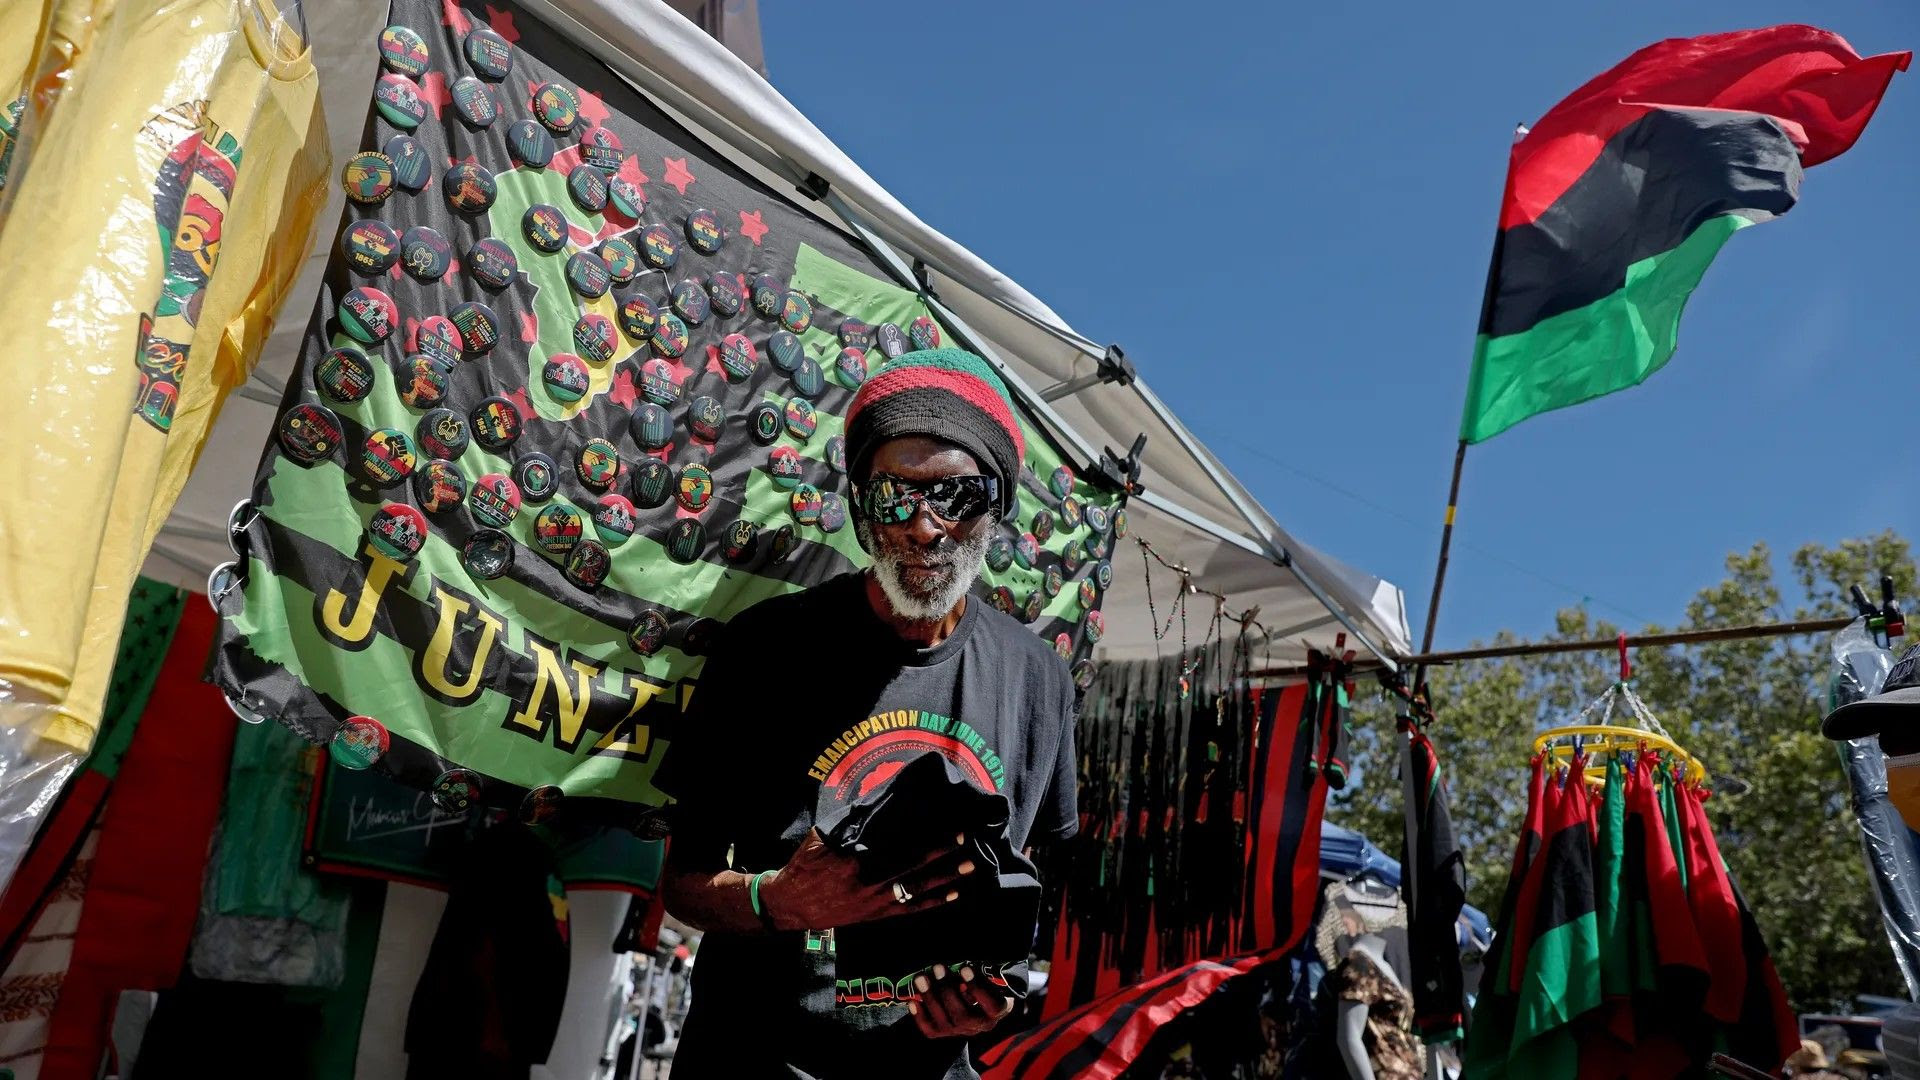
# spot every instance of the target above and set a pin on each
(891, 831)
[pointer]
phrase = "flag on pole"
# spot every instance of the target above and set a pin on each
(1619, 198)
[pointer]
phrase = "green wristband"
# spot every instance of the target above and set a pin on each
(753, 892)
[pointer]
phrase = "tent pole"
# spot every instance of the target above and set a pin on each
(1440, 571)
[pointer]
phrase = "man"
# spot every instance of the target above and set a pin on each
(774, 744)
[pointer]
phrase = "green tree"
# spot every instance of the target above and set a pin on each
(1748, 709)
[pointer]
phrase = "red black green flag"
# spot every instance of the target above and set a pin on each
(1619, 198)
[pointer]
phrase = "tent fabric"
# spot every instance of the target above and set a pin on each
(723, 99)
(1345, 854)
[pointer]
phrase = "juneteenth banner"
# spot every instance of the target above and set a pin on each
(570, 398)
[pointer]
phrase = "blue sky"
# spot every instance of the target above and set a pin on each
(1329, 179)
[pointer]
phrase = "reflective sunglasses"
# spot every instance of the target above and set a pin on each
(890, 500)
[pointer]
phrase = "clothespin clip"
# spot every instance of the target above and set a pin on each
(1896, 623)
(1626, 666)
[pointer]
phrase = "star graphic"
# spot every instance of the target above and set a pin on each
(433, 91)
(413, 334)
(622, 393)
(468, 160)
(455, 18)
(630, 171)
(578, 236)
(529, 327)
(713, 362)
(677, 174)
(502, 23)
(593, 107)
(519, 399)
(752, 227)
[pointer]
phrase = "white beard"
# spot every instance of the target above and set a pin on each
(963, 563)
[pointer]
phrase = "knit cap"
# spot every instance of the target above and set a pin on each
(947, 394)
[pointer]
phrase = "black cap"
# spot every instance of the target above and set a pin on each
(1897, 704)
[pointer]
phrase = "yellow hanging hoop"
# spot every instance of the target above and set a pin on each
(1596, 740)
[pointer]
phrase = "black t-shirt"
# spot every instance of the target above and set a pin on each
(771, 746)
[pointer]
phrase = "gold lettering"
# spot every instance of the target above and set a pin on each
(571, 697)
(355, 633)
(639, 743)
(433, 659)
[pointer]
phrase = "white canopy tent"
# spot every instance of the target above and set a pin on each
(1193, 511)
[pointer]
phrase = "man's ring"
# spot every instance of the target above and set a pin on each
(900, 893)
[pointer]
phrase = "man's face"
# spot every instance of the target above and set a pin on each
(925, 564)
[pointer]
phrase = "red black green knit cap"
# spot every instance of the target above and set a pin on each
(947, 394)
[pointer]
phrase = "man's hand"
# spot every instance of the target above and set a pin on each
(957, 1003)
(820, 888)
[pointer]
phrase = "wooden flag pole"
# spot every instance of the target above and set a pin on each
(1440, 571)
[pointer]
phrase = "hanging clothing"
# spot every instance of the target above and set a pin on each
(1434, 883)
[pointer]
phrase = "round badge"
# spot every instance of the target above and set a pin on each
(625, 197)
(537, 477)
(999, 554)
(557, 107)
(470, 188)
(439, 486)
(1097, 546)
(479, 329)
(796, 312)
(367, 177)
(854, 334)
(784, 467)
(344, 374)
(1096, 626)
(1054, 581)
(833, 512)
(659, 248)
(1042, 526)
(766, 422)
(1071, 559)
(588, 564)
(422, 381)
(891, 340)
(705, 418)
(738, 357)
(397, 99)
(808, 379)
(598, 464)
(768, 292)
(541, 805)
(388, 455)
(805, 503)
(588, 186)
(784, 539)
(695, 489)
(669, 335)
(489, 53)
(660, 382)
(496, 423)
(621, 257)
(922, 334)
(492, 263)
(704, 232)
(397, 531)
(700, 636)
(442, 433)
(369, 247)
(476, 102)
(613, 518)
(404, 52)
(652, 484)
(411, 166)
(588, 275)
(487, 553)
(1104, 575)
(1061, 482)
(1063, 646)
(358, 742)
(368, 315)
(1089, 593)
(1026, 551)
(685, 539)
(1083, 674)
(557, 528)
(601, 148)
(566, 378)
(852, 366)
(690, 301)
(652, 426)
(308, 433)
(1097, 518)
(783, 348)
(728, 293)
(529, 144)
(456, 790)
(1069, 514)
(742, 535)
(1003, 601)
(637, 316)
(595, 337)
(1119, 521)
(425, 253)
(648, 632)
(1030, 612)
(837, 453)
(801, 418)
